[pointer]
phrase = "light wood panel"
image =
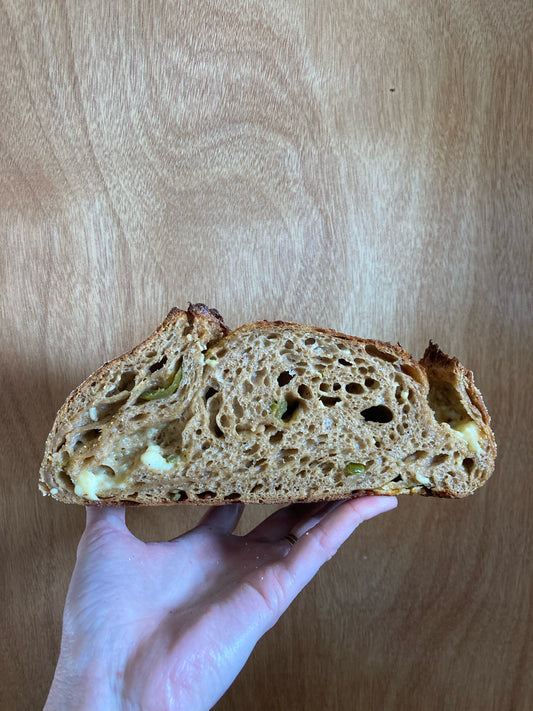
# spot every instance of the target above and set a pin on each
(357, 165)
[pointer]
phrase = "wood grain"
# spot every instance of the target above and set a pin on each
(357, 165)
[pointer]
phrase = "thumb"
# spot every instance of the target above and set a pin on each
(105, 517)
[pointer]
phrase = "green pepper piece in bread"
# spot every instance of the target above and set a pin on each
(278, 409)
(355, 468)
(160, 393)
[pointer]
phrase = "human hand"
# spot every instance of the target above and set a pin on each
(169, 625)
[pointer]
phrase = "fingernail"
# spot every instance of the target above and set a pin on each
(387, 503)
(374, 506)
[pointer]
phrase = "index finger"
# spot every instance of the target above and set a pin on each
(319, 544)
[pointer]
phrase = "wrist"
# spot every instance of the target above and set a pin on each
(85, 682)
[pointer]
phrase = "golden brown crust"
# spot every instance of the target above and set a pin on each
(201, 310)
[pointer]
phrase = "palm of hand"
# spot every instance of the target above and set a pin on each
(175, 621)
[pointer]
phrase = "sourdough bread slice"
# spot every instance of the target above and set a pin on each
(268, 413)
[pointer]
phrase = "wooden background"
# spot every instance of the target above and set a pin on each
(360, 165)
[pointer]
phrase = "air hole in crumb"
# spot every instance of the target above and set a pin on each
(329, 401)
(324, 360)
(468, 464)
(376, 352)
(255, 488)
(309, 341)
(178, 495)
(293, 403)
(342, 361)
(377, 413)
(439, 459)
(305, 392)
(86, 437)
(100, 469)
(289, 344)
(354, 388)
(158, 365)
(276, 438)
(63, 457)
(415, 456)
(106, 410)
(237, 408)
(397, 478)
(253, 449)
(232, 497)
(209, 393)
(207, 495)
(214, 406)
(284, 378)
(126, 382)
(91, 435)
(288, 452)
(370, 383)
(324, 387)
(412, 372)
(259, 375)
(336, 386)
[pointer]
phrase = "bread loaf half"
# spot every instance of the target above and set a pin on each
(268, 413)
